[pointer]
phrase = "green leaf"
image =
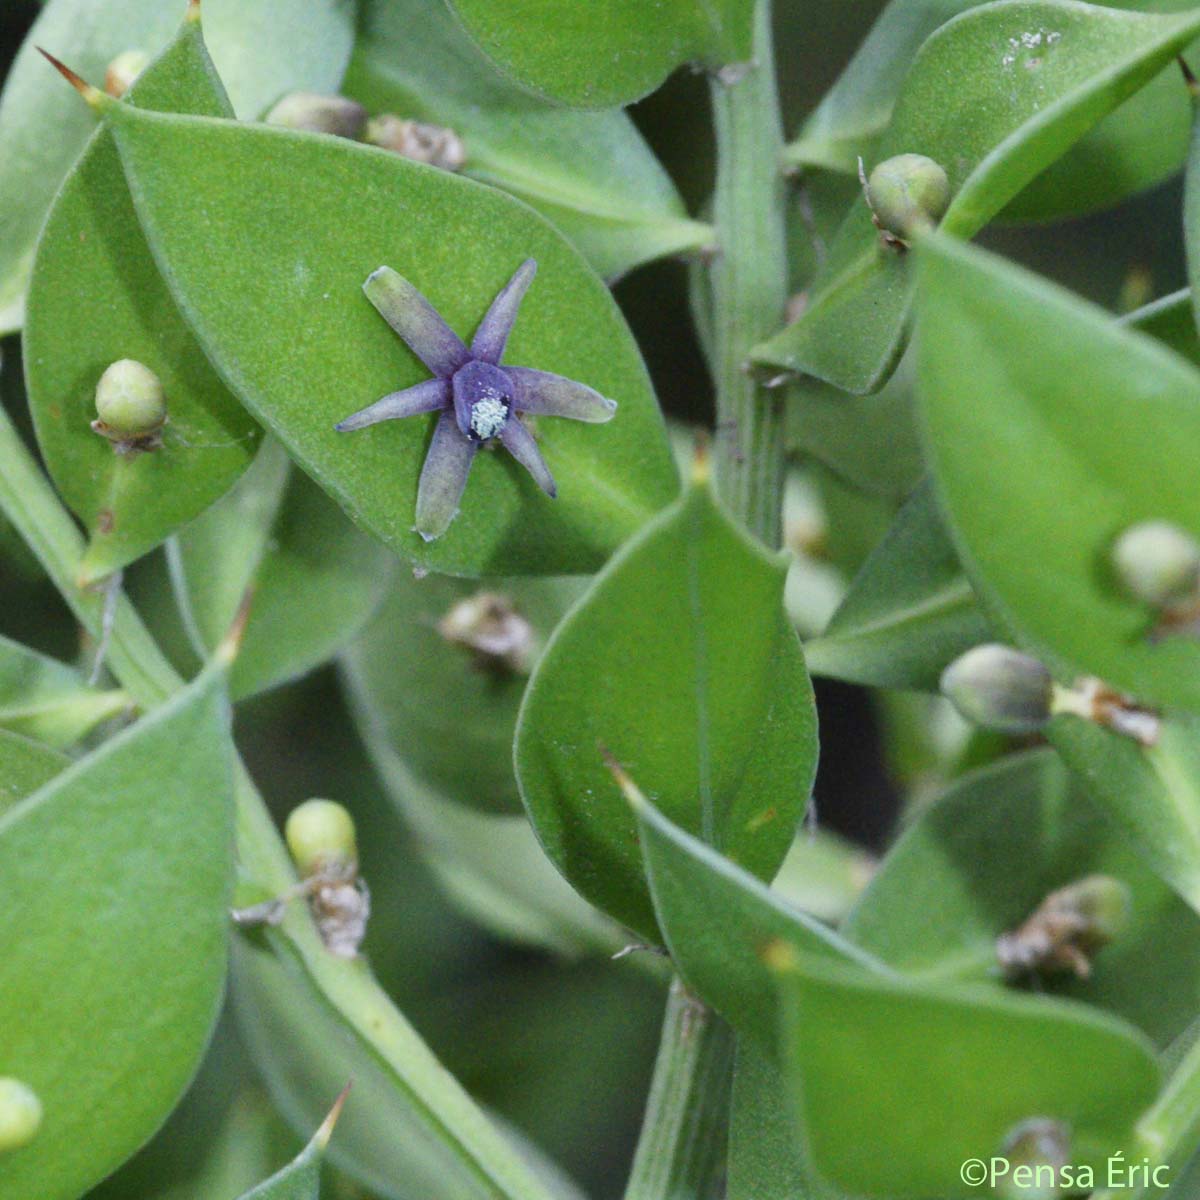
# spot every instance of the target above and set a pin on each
(401, 1136)
(96, 297)
(909, 611)
(929, 1078)
(1152, 794)
(47, 700)
(1170, 320)
(981, 859)
(1138, 145)
(262, 50)
(1012, 111)
(25, 766)
(721, 924)
(117, 877)
(591, 174)
(1054, 449)
(608, 52)
(680, 662)
(277, 538)
(301, 1178)
(448, 716)
(336, 211)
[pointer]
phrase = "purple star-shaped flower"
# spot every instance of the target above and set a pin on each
(478, 399)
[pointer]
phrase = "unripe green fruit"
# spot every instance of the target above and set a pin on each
(320, 836)
(999, 688)
(1158, 563)
(319, 114)
(130, 401)
(123, 70)
(20, 1114)
(908, 194)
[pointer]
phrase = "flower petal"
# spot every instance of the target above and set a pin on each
(493, 331)
(547, 395)
(424, 397)
(416, 321)
(519, 442)
(443, 477)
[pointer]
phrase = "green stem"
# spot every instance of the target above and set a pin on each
(1172, 1127)
(681, 1152)
(29, 502)
(749, 285)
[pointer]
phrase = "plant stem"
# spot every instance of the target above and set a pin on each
(1172, 1125)
(29, 502)
(681, 1152)
(749, 285)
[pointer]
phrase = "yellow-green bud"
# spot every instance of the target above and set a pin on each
(123, 70)
(320, 835)
(1036, 1153)
(129, 402)
(1158, 563)
(908, 194)
(999, 688)
(1101, 904)
(20, 1114)
(319, 114)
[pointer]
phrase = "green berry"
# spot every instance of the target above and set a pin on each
(1101, 903)
(130, 401)
(1158, 563)
(123, 70)
(999, 688)
(319, 114)
(908, 194)
(320, 835)
(20, 1114)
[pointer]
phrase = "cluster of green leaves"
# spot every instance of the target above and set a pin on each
(648, 776)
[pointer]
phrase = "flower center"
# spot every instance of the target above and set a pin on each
(483, 400)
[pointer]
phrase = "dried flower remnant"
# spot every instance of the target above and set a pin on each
(1066, 930)
(418, 140)
(487, 625)
(314, 113)
(130, 407)
(478, 401)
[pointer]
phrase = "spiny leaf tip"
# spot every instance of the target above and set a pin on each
(93, 96)
(322, 1136)
(630, 790)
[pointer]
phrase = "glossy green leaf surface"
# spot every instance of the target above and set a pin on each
(909, 612)
(118, 875)
(1151, 794)
(978, 862)
(1065, 424)
(680, 662)
(608, 52)
(262, 50)
(25, 766)
(1031, 77)
(49, 701)
(591, 174)
(930, 1077)
(95, 298)
(448, 716)
(317, 349)
(720, 924)
(1138, 145)
(278, 535)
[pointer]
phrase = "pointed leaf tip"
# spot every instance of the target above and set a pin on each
(93, 96)
(630, 790)
(193, 11)
(325, 1132)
